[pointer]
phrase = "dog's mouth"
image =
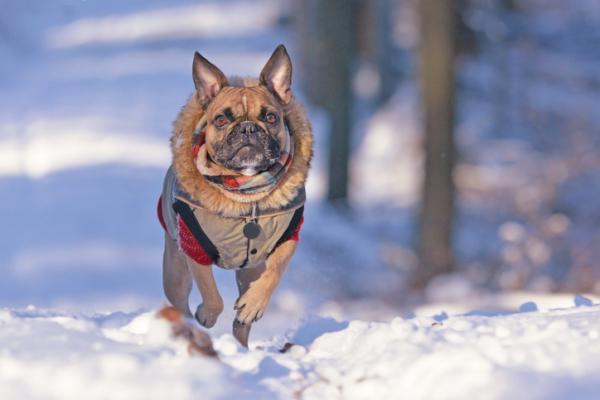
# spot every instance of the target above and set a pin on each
(249, 160)
(246, 150)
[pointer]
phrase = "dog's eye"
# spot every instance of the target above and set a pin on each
(220, 121)
(271, 118)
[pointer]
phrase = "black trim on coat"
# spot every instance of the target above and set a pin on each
(289, 232)
(186, 213)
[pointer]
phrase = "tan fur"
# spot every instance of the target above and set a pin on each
(226, 203)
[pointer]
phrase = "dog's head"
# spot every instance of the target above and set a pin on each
(245, 125)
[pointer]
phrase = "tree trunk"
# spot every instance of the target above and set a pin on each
(437, 83)
(374, 42)
(327, 45)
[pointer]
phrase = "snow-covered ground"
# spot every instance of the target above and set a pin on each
(88, 93)
(529, 354)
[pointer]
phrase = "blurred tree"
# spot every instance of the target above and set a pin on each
(437, 55)
(374, 37)
(327, 46)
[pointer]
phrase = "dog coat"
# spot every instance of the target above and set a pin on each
(209, 238)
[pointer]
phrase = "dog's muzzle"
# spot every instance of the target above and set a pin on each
(248, 149)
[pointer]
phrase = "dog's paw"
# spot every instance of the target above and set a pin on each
(207, 315)
(241, 332)
(252, 304)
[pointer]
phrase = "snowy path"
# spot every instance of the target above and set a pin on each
(528, 355)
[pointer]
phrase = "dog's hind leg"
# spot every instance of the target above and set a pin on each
(177, 280)
(212, 303)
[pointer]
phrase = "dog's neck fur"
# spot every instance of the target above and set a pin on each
(230, 204)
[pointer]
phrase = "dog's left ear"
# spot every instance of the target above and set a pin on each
(277, 74)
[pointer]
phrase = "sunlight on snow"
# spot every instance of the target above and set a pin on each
(167, 23)
(47, 146)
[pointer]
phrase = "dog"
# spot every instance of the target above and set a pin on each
(234, 194)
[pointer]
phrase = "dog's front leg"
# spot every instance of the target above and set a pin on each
(257, 286)
(212, 302)
(243, 278)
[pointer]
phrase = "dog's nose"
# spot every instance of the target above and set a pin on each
(248, 128)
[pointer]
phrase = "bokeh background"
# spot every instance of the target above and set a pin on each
(457, 146)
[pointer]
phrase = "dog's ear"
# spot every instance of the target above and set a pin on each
(277, 74)
(209, 79)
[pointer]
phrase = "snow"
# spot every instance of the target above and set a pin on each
(552, 354)
(49, 355)
(180, 22)
(89, 90)
(31, 158)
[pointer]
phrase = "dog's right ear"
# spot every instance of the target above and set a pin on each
(209, 79)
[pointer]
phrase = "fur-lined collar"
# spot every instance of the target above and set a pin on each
(230, 204)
